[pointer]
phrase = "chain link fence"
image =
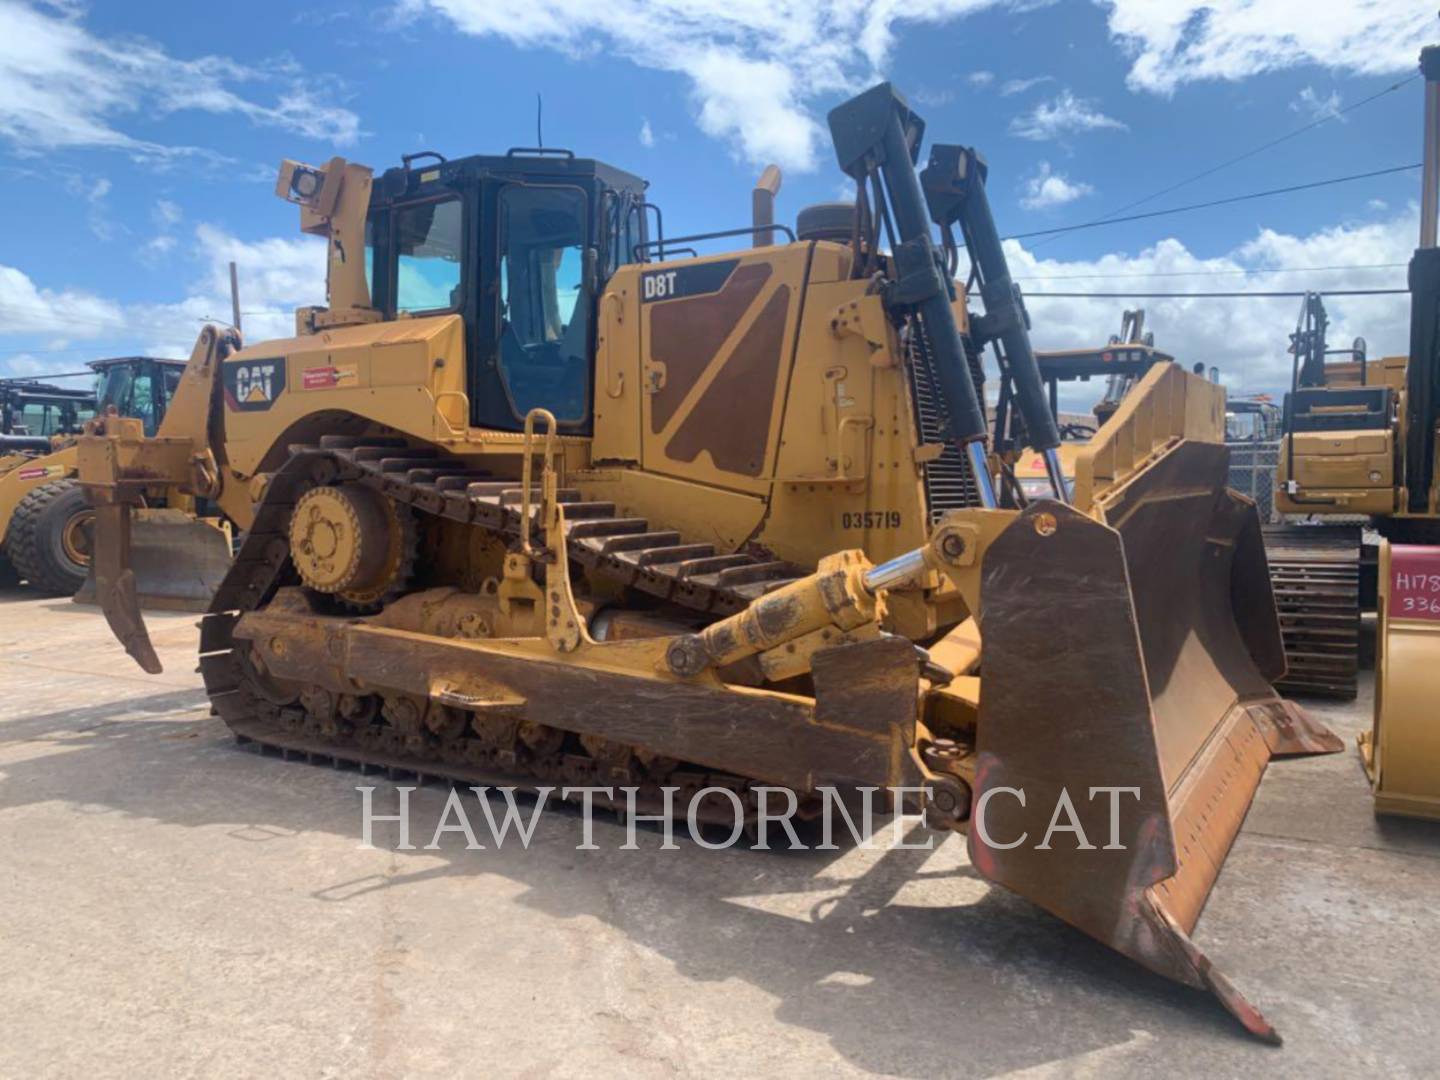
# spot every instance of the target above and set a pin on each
(1252, 473)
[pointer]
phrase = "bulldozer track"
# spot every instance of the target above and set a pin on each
(350, 732)
(1315, 576)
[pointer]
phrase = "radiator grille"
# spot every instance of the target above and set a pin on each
(949, 484)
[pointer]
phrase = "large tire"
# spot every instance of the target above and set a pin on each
(45, 537)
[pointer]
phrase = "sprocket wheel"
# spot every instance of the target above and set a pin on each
(350, 542)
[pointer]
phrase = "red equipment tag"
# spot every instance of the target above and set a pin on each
(1414, 582)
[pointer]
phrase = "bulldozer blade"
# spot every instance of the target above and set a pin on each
(1128, 714)
(114, 583)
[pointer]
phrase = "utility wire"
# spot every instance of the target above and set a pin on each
(1201, 295)
(1215, 273)
(1256, 150)
(1214, 202)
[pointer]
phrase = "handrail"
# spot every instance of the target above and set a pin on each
(744, 230)
(605, 341)
(527, 469)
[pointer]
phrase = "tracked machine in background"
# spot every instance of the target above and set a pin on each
(1361, 439)
(1359, 448)
(539, 501)
(1336, 467)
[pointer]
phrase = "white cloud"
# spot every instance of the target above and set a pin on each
(276, 276)
(755, 70)
(166, 213)
(1065, 114)
(1245, 338)
(932, 99)
(27, 364)
(97, 212)
(1011, 87)
(1173, 42)
(1047, 189)
(27, 309)
(647, 133)
(63, 87)
(1314, 107)
(759, 71)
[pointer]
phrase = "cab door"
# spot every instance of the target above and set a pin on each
(535, 320)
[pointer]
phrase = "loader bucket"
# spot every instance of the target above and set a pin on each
(1127, 670)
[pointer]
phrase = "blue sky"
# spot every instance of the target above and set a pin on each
(138, 141)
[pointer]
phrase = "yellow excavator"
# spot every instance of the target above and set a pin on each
(1360, 445)
(541, 496)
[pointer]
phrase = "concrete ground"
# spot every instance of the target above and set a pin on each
(173, 905)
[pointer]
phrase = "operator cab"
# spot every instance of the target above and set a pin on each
(519, 246)
(39, 411)
(138, 386)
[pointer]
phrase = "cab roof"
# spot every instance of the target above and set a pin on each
(427, 171)
(116, 361)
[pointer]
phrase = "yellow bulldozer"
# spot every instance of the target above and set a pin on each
(45, 518)
(1359, 445)
(539, 495)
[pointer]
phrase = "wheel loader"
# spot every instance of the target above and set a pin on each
(1359, 447)
(45, 517)
(541, 498)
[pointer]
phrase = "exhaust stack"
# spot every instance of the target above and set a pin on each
(762, 205)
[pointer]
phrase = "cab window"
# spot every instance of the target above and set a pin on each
(370, 259)
(131, 393)
(40, 419)
(544, 312)
(428, 242)
(625, 232)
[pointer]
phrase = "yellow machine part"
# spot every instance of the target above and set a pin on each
(25, 474)
(180, 558)
(1340, 472)
(1402, 751)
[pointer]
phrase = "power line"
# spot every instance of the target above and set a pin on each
(1214, 202)
(1256, 150)
(1215, 273)
(1201, 295)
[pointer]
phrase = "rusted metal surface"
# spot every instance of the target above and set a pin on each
(115, 582)
(1177, 710)
(1056, 618)
(1178, 531)
(766, 737)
